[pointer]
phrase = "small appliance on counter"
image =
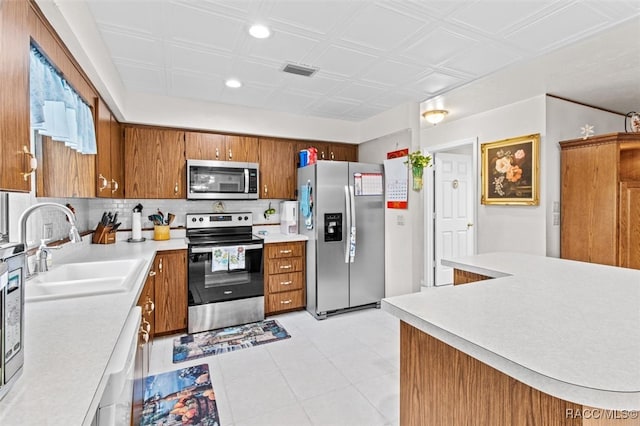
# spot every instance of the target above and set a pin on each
(288, 217)
(12, 275)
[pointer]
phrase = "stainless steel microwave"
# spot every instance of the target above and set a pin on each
(222, 180)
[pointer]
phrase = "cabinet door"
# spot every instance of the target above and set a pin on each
(117, 160)
(154, 163)
(343, 152)
(171, 291)
(242, 148)
(277, 169)
(64, 172)
(204, 146)
(14, 96)
(103, 157)
(630, 225)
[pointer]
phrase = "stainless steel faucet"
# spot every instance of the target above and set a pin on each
(74, 235)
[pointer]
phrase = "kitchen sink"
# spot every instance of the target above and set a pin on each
(83, 279)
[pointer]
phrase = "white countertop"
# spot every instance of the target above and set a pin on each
(68, 342)
(569, 329)
(272, 234)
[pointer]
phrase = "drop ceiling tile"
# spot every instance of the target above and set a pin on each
(343, 61)
(394, 98)
(253, 71)
(359, 92)
(248, 95)
(556, 29)
(482, 60)
(192, 59)
(290, 101)
(187, 85)
(333, 106)
(494, 17)
(133, 15)
(200, 27)
(134, 48)
(315, 16)
(319, 83)
(438, 46)
(381, 28)
(437, 82)
(139, 78)
(392, 73)
(282, 47)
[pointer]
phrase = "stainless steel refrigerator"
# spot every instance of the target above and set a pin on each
(342, 212)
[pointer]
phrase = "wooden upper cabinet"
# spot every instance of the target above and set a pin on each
(64, 172)
(343, 152)
(277, 169)
(14, 96)
(109, 160)
(154, 163)
(212, 146)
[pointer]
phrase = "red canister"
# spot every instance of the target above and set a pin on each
(313, 155)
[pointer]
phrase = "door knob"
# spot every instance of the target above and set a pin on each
(469, 225)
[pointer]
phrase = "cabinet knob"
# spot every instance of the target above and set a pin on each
(114, 186)
(104, 182)
(265, 190)
(285, 266)
(160, 265)
(33, 163)
(332, 156)
(217, 154)
(146, 326)
(322, 155)
(285, 302)
(152, 273)
(144, 335)
(176, 188)
(285, 251)
(286, 282)
(230, 154)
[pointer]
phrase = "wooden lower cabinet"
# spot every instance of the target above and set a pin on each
(466, 277)
(145, 337)
(284, 277)
(170, 291)
(440, 385)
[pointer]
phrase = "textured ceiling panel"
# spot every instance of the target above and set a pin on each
(371, 55)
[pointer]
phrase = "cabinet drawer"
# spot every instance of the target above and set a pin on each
(285, 301)
(285, 282)
(282, 266)
(275, 251)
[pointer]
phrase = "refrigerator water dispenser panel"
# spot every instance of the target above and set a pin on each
(333, 227)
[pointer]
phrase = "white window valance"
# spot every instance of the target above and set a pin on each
(56, 109)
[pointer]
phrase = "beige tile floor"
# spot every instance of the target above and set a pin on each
(343, 370)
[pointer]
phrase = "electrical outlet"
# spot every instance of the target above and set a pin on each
(47, 231)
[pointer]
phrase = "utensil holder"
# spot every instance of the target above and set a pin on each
(161, 232)
(103, 235)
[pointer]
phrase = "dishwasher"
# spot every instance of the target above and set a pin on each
(114, 408)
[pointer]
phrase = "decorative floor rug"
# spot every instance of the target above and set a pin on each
(228, 339)
(181, 397)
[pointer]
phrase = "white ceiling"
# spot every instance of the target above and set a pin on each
(372, 55)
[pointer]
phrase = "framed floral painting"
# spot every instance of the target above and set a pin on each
(510, 171)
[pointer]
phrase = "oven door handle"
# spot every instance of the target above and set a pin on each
(209, 249)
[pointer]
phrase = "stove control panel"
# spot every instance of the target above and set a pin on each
(218, 220)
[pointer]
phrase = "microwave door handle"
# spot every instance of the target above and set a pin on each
(246, 180)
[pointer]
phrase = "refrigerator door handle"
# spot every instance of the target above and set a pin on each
(352, 234)
(347, 211)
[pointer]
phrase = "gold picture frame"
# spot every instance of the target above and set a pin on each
(510, 171)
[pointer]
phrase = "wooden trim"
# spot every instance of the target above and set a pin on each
(440, 385)
(586, 105)
(625, 140)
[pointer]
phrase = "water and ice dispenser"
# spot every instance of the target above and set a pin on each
(333, 226)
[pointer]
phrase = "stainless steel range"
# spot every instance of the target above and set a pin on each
(226, 285)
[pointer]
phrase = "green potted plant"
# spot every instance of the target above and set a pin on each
(418, 161)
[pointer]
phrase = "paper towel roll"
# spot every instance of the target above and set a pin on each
(136, 226)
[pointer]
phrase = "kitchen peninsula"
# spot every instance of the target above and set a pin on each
(542, 341)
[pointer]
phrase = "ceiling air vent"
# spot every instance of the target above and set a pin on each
(299, 70)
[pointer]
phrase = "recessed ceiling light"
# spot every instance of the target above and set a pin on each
(259, 31)
(233, 83)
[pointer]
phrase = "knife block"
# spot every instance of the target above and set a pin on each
(103, 235)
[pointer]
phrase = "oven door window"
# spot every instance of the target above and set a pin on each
(222, 273)
(204, 179)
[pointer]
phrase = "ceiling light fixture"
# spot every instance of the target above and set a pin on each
(233, 83)
(435, 116)
(259, 31)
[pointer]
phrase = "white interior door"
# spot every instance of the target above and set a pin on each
(453, 212)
